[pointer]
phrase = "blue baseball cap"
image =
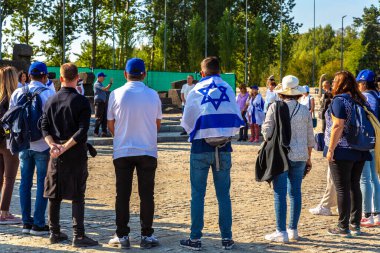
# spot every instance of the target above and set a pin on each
(38, 69)
(255, 87)
(135, 66)
(101, 74)
(366, 75)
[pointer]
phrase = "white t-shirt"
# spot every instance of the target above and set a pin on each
(186, 88)
(40, 145)
(135, 109)
(306, 101)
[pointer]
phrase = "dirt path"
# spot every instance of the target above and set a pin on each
(253, 212)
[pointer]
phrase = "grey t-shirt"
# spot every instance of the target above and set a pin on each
(99, 94)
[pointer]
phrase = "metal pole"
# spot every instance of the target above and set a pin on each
(246, 43)
(63, 33)
(206, 29)
(281, 50)
(113, 34)
(342, 46)
(1, 27)
(165, 36)
(313, 81)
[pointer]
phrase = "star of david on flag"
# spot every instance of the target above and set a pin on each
(214, 101)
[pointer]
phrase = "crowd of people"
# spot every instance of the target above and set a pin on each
(52, 140)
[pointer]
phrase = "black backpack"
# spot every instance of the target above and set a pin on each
(23, 120)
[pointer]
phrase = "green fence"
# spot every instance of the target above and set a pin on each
(159, 81)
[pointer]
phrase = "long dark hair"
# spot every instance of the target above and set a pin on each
(344, 82)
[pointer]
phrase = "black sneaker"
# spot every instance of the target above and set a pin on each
(84, 241)
(183, 133)
(355, 230)
(26, 228)
(192, 245)
(228, 244)
(337, 231)
(39, 231)
(56, 238)
(148, 242)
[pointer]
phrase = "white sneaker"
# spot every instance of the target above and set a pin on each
(367, 222)
(123, 242)
(278, 237)
(376, 219)
(293, 234)
(320, 210)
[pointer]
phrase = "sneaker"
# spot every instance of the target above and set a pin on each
(337, 231)
(56, 238)
(278, 237)
(96, 134)
(190, 244)
(9, 220)
(148, 242)
(320, 210)
(183, 133)
(26, 228)
(103, 135)
(355, 230)
(39, 231)
(376, 219)
(227, 243)
(293, 234)
(84, 241)
(122, 242)
(367, 222)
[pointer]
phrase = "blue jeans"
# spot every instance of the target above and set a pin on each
(199, 168)
(289, 181)
(370, 186)
(28, 160)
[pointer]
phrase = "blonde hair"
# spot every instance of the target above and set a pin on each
(8, 82)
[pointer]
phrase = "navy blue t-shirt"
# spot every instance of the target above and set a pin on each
(341, 108)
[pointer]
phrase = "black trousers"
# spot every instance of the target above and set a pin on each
(243, 133)
(100, 116)
(346, 176)
(146, 170)
(77, 216)
(323, 125)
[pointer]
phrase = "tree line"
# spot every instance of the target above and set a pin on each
(140, 32)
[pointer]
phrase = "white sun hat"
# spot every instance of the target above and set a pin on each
(290, 86)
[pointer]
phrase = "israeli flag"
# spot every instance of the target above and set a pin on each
(211, 110)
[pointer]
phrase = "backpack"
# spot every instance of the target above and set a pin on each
(319, 141)
(376, 95)
(4, 105)
(361, 134)
(23, 120)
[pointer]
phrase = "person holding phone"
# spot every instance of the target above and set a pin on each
(100, 100)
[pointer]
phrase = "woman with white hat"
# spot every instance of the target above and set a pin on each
(301, 143)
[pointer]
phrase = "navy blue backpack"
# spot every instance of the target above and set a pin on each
(361, 134)
(23, 120)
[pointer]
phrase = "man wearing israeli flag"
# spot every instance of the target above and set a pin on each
(211, 118)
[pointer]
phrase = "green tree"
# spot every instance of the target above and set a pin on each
(370, 23)
(103, 55)
(227, 41)
(195, 41)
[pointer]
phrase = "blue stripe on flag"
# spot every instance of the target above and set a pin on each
(216, 121)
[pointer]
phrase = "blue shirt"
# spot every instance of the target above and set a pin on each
(201, 146)
(341, 108)
(99, 94)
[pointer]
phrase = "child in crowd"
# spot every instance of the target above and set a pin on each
(242, 99)
(270, 95)
(256, 113)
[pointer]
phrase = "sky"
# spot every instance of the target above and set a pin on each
(327, 12)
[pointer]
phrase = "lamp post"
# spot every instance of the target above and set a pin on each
(113, 35)
(313, 79)
(63, 33)
(281, 40)
(206, 28)
(246, 43)
(165, 36)
(342, 46)
(1, 26)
